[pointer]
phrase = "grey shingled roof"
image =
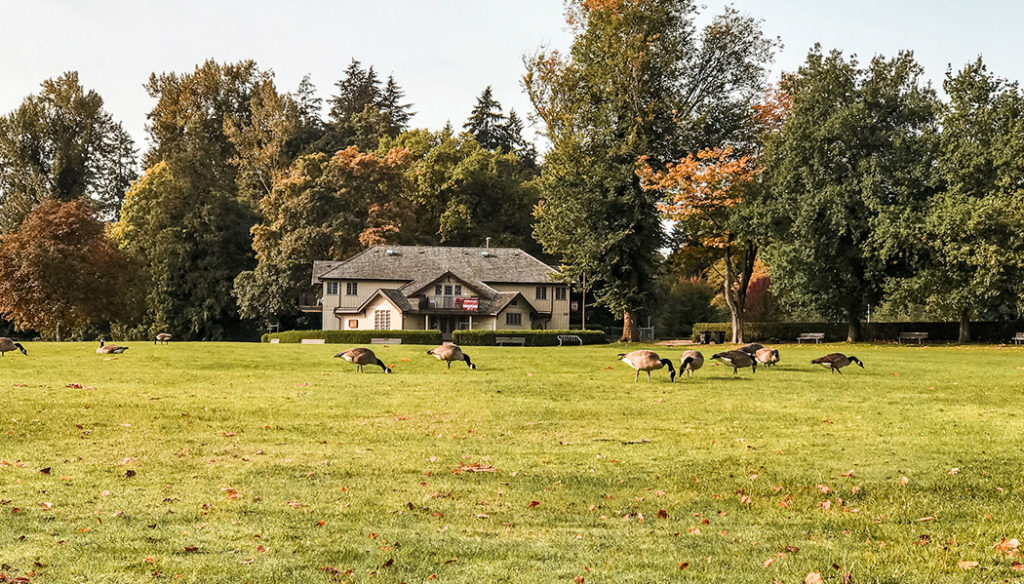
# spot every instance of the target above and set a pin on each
(424, 264)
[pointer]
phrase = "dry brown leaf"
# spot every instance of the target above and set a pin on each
(814, 578)
(534, 504)
(967, 565)
(904, 481)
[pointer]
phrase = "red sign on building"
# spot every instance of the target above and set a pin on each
(470, 304)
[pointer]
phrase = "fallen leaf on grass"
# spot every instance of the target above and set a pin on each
(534, 504)
(769, 562)
(967, 565)
(1006, 546)
(46, 505)
(745, 500)
(684, 565)
(191, 549)
(662, 514)
(45, 471)
(1019, 567)
(925, 539)
(229, 434)
(904, 481)
(149, 560)
(475, 467)
(129, 473)
(814, 578)
(294, 504)
(848, 474)
(929, 518)
(954, 471)
(231, 494)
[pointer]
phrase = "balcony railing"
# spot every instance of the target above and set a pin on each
(310, 303)
(453, 303)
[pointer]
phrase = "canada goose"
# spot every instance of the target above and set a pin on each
(9, 345)
(450, 352)
(767, 357)
(105, 349)
(836, 361)
(751, 348)
(362, 356)
(737, 359)
(162, 338)
(691, 361)
(647, 361)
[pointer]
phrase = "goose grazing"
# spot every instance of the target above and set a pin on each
(647, 361)
(766, 356)
(690, 362)
(451, 352)
(105, 349)
(162, 338)
(751, 348)
(362, 356)
(836, 361)
(9, 345)
(736, 359)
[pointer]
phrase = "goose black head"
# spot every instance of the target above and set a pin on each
(22, 349)
(856, 360)
(671, 369)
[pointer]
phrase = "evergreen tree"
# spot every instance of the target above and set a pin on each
(362, 112)
(486, 122)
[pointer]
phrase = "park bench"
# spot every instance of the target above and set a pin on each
(563, 339)
(275, 341)
(521, 341)
(1018, 338)
(313, 341)
(383, 341)
(816, 337)
(919, 337)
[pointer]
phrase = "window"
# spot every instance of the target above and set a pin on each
(382, 320)
(542, 292)
(458, 290)
(513, 319)
(437, 290)
(332, 288)
(353, 323)
(560, 293)
(352, 288)
(447, 289)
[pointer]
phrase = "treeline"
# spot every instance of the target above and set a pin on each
(841, 187)
(211, 233)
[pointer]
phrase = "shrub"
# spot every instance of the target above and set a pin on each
(992, 332)
(409, 337)
(533, 338)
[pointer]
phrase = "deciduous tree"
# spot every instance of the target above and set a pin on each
(61, 144)
(705, 193)
(847, 177)
(59, 272)
(640, 79)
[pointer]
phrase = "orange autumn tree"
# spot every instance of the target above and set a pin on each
(704, 194)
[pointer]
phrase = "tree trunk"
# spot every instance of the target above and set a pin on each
(630, 333)
(736, 298)
(965, 327)
(58, 332)
(853, 333)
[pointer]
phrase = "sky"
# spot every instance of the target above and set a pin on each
(442, 52)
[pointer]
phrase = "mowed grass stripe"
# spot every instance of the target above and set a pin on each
(229, 441)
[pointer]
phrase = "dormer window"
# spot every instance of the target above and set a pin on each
(458, 290)
(437, 290)
(447, 289)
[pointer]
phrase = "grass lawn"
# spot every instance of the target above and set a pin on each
(276, 463)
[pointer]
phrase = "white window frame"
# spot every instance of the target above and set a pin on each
(352, 288)
(382, 320)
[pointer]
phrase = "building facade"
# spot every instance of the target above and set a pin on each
(443, 288)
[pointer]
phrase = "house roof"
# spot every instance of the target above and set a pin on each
(421, 265)
(396, 298)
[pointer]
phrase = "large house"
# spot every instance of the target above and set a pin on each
(444, 288)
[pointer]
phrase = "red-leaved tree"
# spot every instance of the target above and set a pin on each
(59, 272)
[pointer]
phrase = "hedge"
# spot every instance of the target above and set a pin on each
(991, 332)
(409, 337)
(534, 338)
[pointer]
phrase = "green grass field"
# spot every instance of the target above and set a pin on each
(276, 463)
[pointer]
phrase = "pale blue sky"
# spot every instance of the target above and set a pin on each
(443, 52)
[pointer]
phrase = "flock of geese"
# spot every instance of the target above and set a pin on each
(749, 355)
